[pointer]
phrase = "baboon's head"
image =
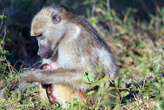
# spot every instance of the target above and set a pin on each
(49, 26)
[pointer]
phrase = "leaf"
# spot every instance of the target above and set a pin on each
(124, 93)
(90, 92)
(1, 41)
(156, 68)
(142, 59)
(110, 89)
(96, 83)
(148, 84)
(91, 76)
(84, 79)
(116, 81)
(106, 78)
(2, 16)
(122, 85)
(100, 91)
(88, 77)
(142, 45)
(133, 87)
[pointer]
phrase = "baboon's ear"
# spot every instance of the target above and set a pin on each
(55, 17)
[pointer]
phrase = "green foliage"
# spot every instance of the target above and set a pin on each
(2, 17)
(74, 105)
(3, 61)
(88, 77)
(137, 44)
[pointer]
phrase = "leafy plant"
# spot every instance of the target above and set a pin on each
(136, 40)
(5, 64)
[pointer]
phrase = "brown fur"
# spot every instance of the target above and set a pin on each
(65, 93)
(74, 45)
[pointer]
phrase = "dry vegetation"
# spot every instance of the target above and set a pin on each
(138, 46)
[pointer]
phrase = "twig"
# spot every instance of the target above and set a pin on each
(8, 65)
(2, 19)
(126, 89)
(35, 64)
(144, 83)
(108, 5)
(4, 35)
(162, 68)
(156, 77)
(93, 8)
(134, 96)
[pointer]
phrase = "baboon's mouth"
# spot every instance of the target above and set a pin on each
(51, 94)
(46, 66)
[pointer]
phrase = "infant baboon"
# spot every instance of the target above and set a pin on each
(71, 43)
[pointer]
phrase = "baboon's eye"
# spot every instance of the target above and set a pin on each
(40, 36)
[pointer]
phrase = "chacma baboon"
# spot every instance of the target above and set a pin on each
(71, 43)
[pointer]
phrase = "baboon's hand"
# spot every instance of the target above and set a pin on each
(37, 76)
(31, 76)
(15, 84)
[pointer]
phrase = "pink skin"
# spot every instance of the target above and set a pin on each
(50, 67)
(51, 93)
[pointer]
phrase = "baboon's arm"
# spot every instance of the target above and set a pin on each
(70, 77)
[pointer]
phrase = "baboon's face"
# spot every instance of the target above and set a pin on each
(49, 28)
